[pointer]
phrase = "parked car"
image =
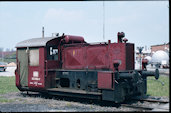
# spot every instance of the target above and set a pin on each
(3, 66)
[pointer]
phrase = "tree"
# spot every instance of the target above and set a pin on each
(7, 49)
(1, 52)
(1, 49)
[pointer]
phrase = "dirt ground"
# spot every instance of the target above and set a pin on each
(9, 72)
(19, 102)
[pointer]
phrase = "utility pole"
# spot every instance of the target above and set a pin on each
(42, 32)
(103, 20)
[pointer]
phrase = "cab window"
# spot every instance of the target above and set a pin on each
(34, 57)
(52, 53)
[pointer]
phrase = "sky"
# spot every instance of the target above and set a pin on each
(144, 23)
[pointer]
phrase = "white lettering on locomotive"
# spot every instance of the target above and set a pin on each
(35, 75)
(53, 51)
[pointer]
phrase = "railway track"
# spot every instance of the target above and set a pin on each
(138, 108)
(135, 104)
(153, 100)
(148, 104)
(166, 74)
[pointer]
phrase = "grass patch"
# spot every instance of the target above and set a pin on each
(5, 100)
(158, 87)
(7, 85)
(154, 87)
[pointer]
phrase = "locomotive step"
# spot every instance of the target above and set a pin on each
(74, 93)
(57, 79)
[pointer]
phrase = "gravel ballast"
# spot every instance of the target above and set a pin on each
(21, 102)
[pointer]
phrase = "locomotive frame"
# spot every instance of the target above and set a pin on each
(68, 66)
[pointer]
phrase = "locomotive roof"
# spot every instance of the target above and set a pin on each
(34, 42)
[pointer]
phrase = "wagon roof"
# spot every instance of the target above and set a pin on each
(34, 42)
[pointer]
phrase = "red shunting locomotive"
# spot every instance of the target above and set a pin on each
(68, 66)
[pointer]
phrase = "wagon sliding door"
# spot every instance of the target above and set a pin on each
(23, 61)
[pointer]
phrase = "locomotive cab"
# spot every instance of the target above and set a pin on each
(34, 57)
(37, 61)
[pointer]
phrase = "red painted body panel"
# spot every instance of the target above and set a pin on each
(36, 73)
(52, 64)
(130, 64)
(96, 57)
(50, 79)
(105, 80)
(17, 77)
(36, 77)
(74, 58)
(99, 56)
(117, 52)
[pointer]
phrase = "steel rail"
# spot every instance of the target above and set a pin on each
(153, 100)
(141, 108)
